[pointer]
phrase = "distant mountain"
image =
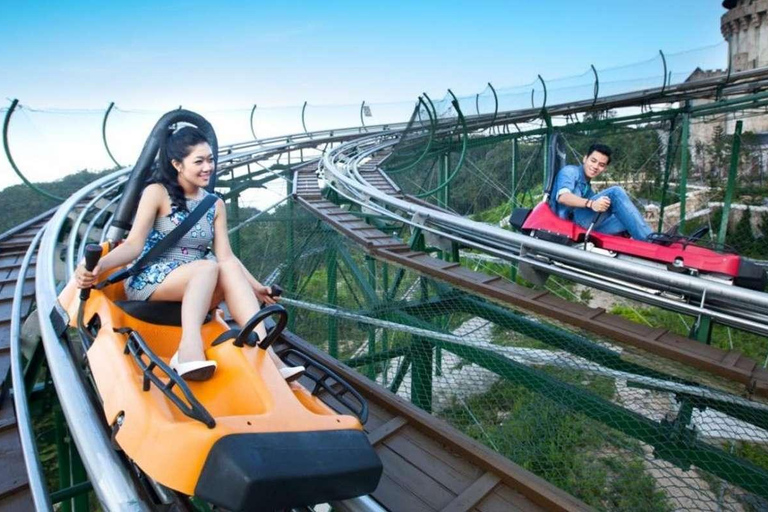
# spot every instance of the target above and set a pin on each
(19, 202)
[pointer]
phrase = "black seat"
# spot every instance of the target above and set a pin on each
(155, 312)
(556, 160)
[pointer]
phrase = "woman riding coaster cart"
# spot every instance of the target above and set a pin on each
(187, 272)
(247, 439)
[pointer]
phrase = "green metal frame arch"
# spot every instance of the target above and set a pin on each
(596, 88)
(303, 124)
(433, 129)
(104, 133)
(496, 103)
(544, 86)
(253, 131)
(465, 140)
(362, 122)
(6, 124)
(431, 105)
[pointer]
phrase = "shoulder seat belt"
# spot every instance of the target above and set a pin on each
(163, 245)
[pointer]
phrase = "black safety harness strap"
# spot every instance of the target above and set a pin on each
(163, 245)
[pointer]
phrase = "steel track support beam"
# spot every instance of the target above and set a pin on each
(684, 157)
(670, 157)
(384, 333)
(290, 281)
(421, 372)
(732, 171)
(331, 274)
(370, 262)
(234, 216)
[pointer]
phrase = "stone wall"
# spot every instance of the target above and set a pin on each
(745, 27)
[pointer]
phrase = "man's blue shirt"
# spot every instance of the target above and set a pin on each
(571, 179)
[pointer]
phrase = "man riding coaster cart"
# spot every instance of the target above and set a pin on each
(571, 213)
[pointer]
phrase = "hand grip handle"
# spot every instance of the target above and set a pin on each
(92, 256)
(276, 290)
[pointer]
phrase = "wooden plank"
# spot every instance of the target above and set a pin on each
(386, 430)
(5, 368)
(531, 486)
(731, 358)
(449, 469)
(414, 479)
(398, 498)
(377, 416)
(504, 499)
(7, 416)
(13, 473)
(20, 501)
(473, 494)
(7, 290)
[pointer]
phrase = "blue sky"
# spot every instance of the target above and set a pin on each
(154, 56)
(160, 54)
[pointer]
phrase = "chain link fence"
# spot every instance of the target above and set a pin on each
(619, 428)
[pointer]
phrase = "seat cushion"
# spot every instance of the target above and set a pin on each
(155, 312)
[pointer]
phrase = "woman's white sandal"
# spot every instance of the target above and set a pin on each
(193, 370)
(291, 373)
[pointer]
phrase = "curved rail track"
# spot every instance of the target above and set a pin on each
(15, 493)
(428, 465)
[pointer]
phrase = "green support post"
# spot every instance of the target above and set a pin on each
(290, 277)
(371, 368)
(545, 163)
(702, 329)
(515, 156)
(79, 476)
(421, 353)
(731, 183)
(62, 456)
(547, 138)
(671, 150)
(384, 332)
(333, 330)
(443, 192)
(234, 216)
(683, 185)
(421, 373)
(402, 371)
(65, 495)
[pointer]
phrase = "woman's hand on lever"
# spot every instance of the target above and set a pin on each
(264, 294)
(84, 278)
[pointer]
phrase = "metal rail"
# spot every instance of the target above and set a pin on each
(731, 305)
(112, 482)
(35, 475)
(737, 83)
(111, 479)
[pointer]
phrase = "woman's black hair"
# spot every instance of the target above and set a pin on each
(176, 146)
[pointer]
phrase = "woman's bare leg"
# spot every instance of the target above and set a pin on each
(193, 284)
(241, 300)
(238, 294)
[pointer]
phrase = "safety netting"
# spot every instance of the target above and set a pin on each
(618, 427)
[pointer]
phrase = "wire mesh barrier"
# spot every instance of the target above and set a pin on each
(619, 428)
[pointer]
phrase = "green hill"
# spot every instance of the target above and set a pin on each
(19, 202)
